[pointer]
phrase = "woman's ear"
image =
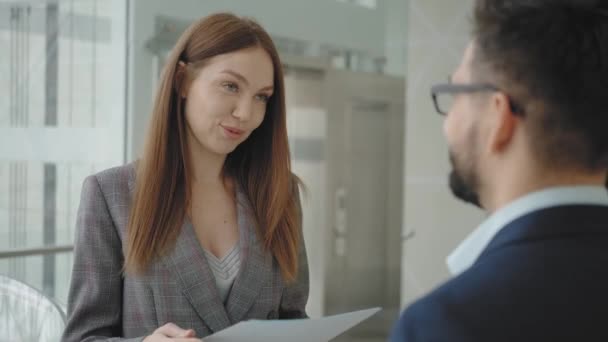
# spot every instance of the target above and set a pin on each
(181, 79)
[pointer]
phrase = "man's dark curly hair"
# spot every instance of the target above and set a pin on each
(551, 58)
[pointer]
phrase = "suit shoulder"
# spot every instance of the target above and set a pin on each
(455, 309)
(116, 176)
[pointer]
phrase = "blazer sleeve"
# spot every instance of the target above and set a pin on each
(95, 295)
(295, 294)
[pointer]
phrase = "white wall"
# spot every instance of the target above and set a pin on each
(319, 21)
(396, 36)
(438, 31)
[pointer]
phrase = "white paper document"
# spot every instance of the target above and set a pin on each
(292, 330)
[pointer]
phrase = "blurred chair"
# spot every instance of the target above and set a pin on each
(27, 315)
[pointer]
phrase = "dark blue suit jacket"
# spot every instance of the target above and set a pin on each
(544, 277)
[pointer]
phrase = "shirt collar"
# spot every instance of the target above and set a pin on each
(469, 250)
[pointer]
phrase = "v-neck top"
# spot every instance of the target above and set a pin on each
(225, 269)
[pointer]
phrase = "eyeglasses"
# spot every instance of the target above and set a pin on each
(443, 95)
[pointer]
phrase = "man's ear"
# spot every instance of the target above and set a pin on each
(181, 79)
(504, 123)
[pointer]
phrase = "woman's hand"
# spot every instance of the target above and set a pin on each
(172, 333)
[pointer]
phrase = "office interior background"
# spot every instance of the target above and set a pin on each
(77, 78)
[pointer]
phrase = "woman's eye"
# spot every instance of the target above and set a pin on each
(263, 98)
(231, 87)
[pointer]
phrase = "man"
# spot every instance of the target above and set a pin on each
(527, 127)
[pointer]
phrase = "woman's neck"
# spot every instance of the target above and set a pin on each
(207, 168)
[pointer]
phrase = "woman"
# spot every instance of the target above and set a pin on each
(204, 230)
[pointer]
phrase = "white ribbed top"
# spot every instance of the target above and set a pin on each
(225, 270)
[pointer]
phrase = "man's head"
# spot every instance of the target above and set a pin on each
(530, 96)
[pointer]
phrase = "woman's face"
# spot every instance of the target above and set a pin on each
(226, 100)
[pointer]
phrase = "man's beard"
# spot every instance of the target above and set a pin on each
(463, 184)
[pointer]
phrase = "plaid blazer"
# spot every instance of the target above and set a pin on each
(104, 304)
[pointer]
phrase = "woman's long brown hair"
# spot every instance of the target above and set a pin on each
(260, 165)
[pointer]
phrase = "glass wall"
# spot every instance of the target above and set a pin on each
(62, 70)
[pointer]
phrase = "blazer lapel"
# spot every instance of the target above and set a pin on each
(256, 265)
(188, 264)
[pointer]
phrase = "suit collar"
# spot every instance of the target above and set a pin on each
(465, 255)
(131, 172)
(566, 221)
